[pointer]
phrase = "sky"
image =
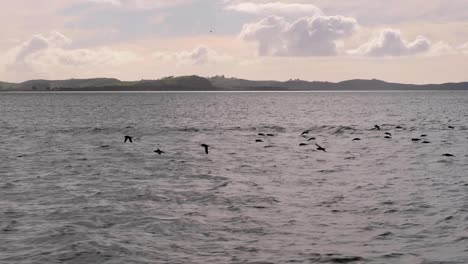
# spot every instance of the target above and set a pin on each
(408, 41)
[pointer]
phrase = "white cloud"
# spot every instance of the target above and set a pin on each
(276, 8)
(391, 43)
(307, 36)
(200, 55)
(43, 54)
(464, 48)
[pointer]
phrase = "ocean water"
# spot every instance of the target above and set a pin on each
(71, 191)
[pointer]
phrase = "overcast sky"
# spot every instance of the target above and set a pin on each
(411, 41)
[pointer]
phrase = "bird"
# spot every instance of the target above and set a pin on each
(399, 127)
(377, 127)
(159, 151)
(270, 135)
(305, 132)
(320, 148)
(259, 140)
(415, 139)
(206, 147)
(261, 134)
(451, 127)
(128, 138)
(426, 142)
(388, 133)
(423, 135)
(303, 144)
(448, 155)
(356, 139)
(312, 138)
(388, 137)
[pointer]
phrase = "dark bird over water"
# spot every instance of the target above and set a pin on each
(399, 127)
(259, 140)
(388, 137)
(261, 134)
(270, 135)
(128, 138)
(320, 148)
(423, 135)
(159, 151)
(356, 139)
(388, 133)
(448, 155)
(415, 139)
(451, 127)
(303, 144)
(312, 138)
(426, 142)
(377, 127)
(305, 132)
(206, 147)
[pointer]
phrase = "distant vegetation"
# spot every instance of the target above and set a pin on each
(216, 83)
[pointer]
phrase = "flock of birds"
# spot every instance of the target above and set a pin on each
(305, 133)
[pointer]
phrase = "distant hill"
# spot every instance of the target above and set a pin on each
(216, 83)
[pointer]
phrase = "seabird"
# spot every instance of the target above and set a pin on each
(206, 147)
(415, 139)
(259, 140)
(128, 138)
(423, 135)
(388, 137)
(312, 138)
(159, 151)
(303, 144)
(356, 139)
(451, 127)
(377, 127)
(448, 155)
(426, 142)
(388, 133)
(305, 132)
(320, 148)
(270, 135)
(399, 127)
(261, 134)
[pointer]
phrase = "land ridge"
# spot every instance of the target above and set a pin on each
(218, 83)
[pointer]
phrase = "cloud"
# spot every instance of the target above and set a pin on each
(390, 43)
(200, 55)
(307, 36)
(276, 8)
(45, 53)
(464, 48)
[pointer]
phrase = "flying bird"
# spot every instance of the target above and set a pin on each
(320, 148)
(128, 138)
(206, 147)
(388, 133)
(159, 151)
(312, 138)
(377, 127)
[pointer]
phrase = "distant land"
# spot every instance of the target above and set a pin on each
(217, 83)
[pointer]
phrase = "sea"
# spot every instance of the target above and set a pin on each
(71, 190)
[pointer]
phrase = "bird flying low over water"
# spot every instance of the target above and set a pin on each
(270, 135)
(377, 127)
(206, 147)
(448, 155)
(415, 139)
(312, 138)
(128, 138)
(159, 151)
(451, 127)
(261, 134)
(320, 148)
(258, 140)
(305, 132)
(356, 139)
(388, 133)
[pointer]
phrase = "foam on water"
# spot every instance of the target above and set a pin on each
(72, 192)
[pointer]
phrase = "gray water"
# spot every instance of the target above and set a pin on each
(72, 192)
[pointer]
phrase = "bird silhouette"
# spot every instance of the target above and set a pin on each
(128, 138)
(320, 148)
(206, 147)
(159, 151)
(377, 127)
(312, 138)
(388, 133)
